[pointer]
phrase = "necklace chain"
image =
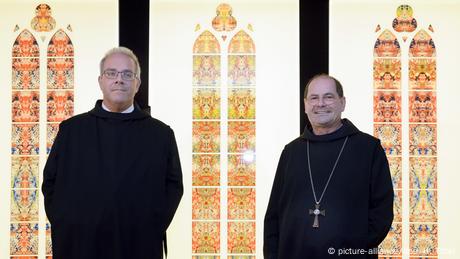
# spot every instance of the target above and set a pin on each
(330, 176)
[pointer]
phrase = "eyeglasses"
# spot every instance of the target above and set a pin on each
(327, 99)
(125, 75)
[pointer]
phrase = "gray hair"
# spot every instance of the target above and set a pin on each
(338, 85)
(124, 51)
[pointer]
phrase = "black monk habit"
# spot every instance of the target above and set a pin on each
(358, 203)
(112, 184)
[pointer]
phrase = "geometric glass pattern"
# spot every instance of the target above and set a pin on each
(241, 237)
(242, 43)
(423, 205)
(26, 73)
(422, 105)
(206, 70)
(25, 146)
(423, 201)
(25, 139)
(24, 205)
(206, 136)
(388, 122)
(43, 21)
(206, 146)
(224, 21)
(423, 173)
(206, 170)
(422, 139)
(24, 172)
(423, 239)
(241, 203)
(241, 136)
(241, 70)
(60, 73)
(24, 239)
(390, 137)
(241, 103)
(404, 21)
(206, 103)
(25, 106)
(241, 171)
(206, 203)
(420, 142)
(223, 138)
(422, 74)
(387, 106)
(205, 237)
(60, 105)
(25, 63)
(241, 145)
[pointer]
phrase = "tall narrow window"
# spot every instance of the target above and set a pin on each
(224, 140)
(387, 125)
(206, 146)
(423, 153)
(241, 194)
(26, 152)
(419, 118)
(25, 148)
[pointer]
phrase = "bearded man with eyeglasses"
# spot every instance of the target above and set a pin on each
(113, 179)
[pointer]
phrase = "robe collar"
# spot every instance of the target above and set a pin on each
(130, 108)
(347, 129)
(99, 111)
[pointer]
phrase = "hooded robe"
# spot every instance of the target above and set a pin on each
(112, 183)
(358, 202)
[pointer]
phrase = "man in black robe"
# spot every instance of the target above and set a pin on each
(113, 179)
(332, 195)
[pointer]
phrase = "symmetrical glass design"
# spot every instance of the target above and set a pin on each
(423, 201)
(206, 145)
(224, 130)
(25, 145)
(387, 123)
(27, 95)
(241, 146)
(419, 149)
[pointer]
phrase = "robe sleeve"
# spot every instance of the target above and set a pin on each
(272, 216)
(381, 199)
(174, 186)
(50, 172)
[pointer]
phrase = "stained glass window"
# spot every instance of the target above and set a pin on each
(28, 91)
(25, 145)
(224, 143)
(420, 151)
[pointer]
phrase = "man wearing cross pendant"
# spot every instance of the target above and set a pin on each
(332, 189)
